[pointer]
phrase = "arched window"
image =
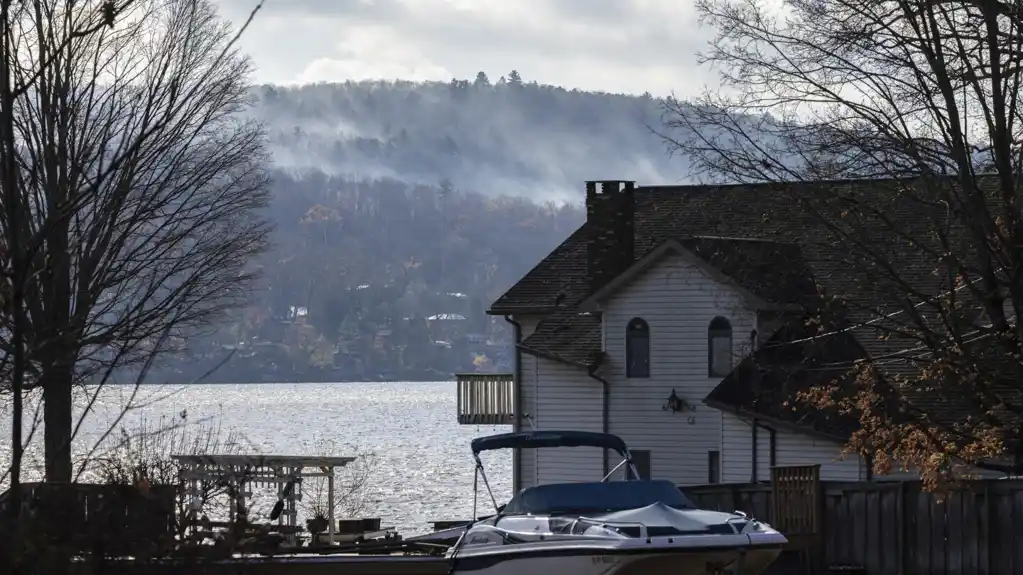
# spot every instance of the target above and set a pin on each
(719, 347)
(637, 349)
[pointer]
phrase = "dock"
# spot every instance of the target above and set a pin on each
(486, 398)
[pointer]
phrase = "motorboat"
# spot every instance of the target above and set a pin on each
(623, 527)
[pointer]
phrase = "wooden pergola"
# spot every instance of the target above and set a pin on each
(239, 471)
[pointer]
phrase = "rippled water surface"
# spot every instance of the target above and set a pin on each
(422, 466)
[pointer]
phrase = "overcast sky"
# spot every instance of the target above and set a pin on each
(627, 46)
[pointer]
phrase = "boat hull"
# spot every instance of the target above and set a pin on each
(609, 562)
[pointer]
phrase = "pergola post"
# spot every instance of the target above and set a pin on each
(330, 505)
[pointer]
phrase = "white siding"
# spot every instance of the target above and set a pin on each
(568, 399)
(526, 388)
(737, 451)
(791, 448)
(678, 300)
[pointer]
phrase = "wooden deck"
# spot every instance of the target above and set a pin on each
(486, 398)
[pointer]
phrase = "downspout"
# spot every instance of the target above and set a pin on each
(606, 415)
(772, 448)
(517, 421)
(753, 465)
(756, 401)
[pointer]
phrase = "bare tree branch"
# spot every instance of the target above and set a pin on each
(919, 100)
(139, 189)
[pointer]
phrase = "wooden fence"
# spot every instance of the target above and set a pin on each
(896, 528)
(111, 519)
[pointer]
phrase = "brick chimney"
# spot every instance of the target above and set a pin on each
(610, 214)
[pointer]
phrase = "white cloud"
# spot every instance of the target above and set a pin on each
(613, 45)
(372, 52)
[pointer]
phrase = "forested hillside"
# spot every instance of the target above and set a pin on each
(502, 137)
(403, 209)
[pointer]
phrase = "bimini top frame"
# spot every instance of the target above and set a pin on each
(540, 439)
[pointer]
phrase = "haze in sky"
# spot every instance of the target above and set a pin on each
(623, 46)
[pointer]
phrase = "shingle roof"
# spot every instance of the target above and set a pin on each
(767, 384)
(567, 336)
(774, 271)
(558, 280)
(767, 212)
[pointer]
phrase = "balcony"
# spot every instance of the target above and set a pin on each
(486, 398)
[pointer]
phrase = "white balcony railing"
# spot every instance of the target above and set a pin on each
(486, 398)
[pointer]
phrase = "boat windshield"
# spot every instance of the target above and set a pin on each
(604, 497)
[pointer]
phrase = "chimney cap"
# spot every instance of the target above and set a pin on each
(633, 182)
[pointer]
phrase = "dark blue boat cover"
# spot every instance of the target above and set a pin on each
(534, 439)
(596, 497)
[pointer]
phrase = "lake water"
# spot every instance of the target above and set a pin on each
(422, 469)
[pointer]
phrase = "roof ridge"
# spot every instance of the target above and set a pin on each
(830, 182)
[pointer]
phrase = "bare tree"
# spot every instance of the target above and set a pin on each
(925, 95)
(12, 287)
(138, 196)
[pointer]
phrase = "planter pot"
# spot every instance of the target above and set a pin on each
(349, 526)
(317, 524)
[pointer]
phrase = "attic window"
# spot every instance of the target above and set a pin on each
(637, 349)
(719, 347)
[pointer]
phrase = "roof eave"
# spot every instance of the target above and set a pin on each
(780, 423)
(496, 310)
(553, 357)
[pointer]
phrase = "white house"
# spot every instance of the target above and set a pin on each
(661, 295)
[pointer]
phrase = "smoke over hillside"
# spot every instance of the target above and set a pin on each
(505, 137)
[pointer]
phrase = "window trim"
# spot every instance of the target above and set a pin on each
(642, 330)
(717, 329)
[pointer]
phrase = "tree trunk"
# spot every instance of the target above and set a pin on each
(56, 380)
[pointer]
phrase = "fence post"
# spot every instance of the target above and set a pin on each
(988, 534)
(901, 519)
(907, 503)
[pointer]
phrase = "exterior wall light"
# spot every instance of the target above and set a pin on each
(676, 404)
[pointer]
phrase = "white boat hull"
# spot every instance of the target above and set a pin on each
(640, 564)
(592, 558)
